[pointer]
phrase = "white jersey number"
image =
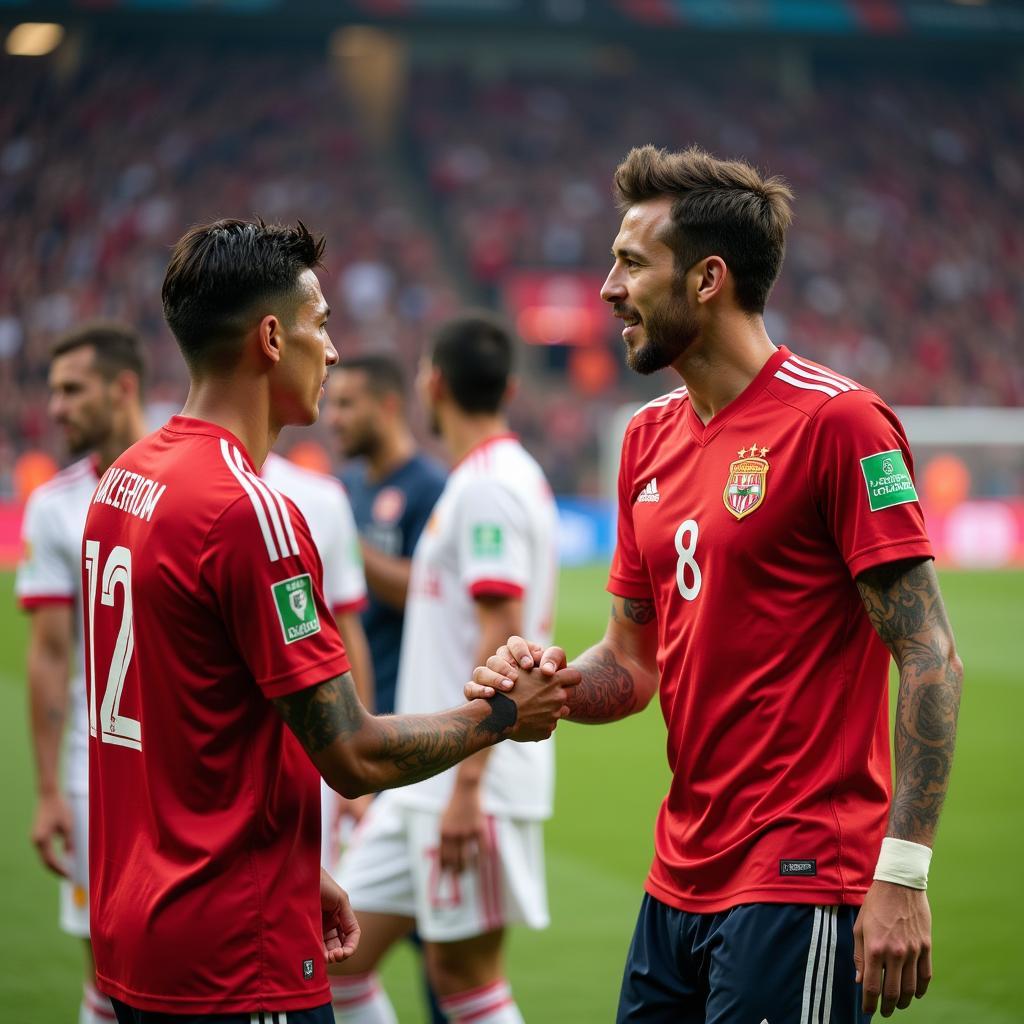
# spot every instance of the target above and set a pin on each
(686, 566)
(110, 725)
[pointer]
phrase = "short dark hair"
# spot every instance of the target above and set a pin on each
(719, 208)
(383, 373)
(222, 275)
(116, 347)
(474, 353)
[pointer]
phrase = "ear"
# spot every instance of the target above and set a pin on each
(270, 338)
(714, 274)
(126, 382)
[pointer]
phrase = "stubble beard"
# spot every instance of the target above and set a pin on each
(668, 332)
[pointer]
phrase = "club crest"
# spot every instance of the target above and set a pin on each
(745, 488)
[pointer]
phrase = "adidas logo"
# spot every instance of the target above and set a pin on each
(650, 492)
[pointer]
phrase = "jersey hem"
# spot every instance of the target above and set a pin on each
(279, 1002)
(619, 586)
(292, 682)
(880, 554)
(30, 602)
(852, 896)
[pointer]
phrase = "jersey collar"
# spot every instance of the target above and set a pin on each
(703, 434)
(485, 444)
(189, 425)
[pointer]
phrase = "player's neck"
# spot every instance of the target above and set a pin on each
(120, 440)
(246, 416)
(393, 452)
(719, 366)
(462, 433)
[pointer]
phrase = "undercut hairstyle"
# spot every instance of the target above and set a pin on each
(224, 276)
(383, 373)
(719, 208)
(474, 353)
(116, 348)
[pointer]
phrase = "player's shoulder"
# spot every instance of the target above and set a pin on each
(421, 470)
(665, 410)
(502, 460)
(290, 477)
(77, 479)
(813, 389)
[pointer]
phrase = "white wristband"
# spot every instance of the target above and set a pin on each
(903, 863)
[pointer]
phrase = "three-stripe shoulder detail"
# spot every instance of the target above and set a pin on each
(663, 400)
(808, 377)
(272, 513)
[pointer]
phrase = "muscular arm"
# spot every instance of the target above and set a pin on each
(620, 674)
(357, 753)
(353, 636)
(905, 607)
(386, 575)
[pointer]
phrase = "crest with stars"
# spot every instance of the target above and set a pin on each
(745, 488)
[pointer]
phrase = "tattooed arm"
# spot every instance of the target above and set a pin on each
(905, 607)
(357, 753)
(893, 934)
(618, 676)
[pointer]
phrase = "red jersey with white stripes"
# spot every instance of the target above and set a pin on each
(747, 533)
(203, 599)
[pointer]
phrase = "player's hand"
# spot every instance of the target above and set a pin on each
(892, 946)
(51, 833)
(540, 703)
(503, 667)
(340, 927)
(464, 833)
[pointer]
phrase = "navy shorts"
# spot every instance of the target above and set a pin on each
(319, 1015)
(751, 964)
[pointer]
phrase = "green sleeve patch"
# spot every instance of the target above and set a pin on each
(488, 540)
(296, 608)
(888, 480)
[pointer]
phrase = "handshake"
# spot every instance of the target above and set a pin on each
(528, 687)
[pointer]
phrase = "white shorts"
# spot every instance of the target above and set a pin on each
(392, 867)
(74, 890)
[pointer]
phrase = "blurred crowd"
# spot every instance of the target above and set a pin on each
(903, 266)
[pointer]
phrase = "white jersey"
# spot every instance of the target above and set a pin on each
(322, 500)
(50, 572)
(492, 532)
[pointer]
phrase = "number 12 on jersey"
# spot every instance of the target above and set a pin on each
(110, 725)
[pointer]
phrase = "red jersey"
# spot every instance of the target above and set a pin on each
(747, 534)
(202, 600)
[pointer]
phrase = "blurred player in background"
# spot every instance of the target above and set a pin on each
(96, 379)
(392, 492)
(771, 554)
(207, 633)
(460, 856)
(324, 505)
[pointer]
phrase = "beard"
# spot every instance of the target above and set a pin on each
(669, 331)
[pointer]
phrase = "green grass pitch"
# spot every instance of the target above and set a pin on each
(611, 780)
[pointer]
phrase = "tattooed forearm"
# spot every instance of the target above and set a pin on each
(320, 714)
(607, 692)
(635, 610)
(905, 607)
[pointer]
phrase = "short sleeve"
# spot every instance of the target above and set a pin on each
(344, 580)
(628, 576)
(265, 576)
(493, 541)
(862, 476)
(47, 572)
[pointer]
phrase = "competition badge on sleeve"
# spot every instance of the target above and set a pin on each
(296, 608)
(744, 490)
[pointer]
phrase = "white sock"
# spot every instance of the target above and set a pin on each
(95, 1007)
(491, 1004)
(359, 999)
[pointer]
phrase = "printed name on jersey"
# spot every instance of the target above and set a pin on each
(650, 492)
(296, 608)
(887, 479)
(130, 492)
(745, 489)
(488, 540)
